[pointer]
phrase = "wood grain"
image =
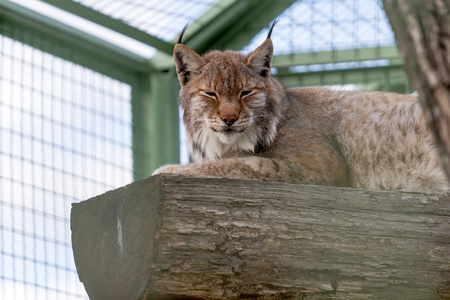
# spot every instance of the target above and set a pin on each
(188, 237)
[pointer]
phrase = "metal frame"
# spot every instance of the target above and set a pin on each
(235, 25)
(284, 61)
(374, 78)
(155, 123)
(227, 24)
(389, 78)
(20, 17)
(113, 24)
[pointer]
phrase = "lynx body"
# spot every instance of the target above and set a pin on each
(242, 123)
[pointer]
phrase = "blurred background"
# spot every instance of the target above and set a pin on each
(88, 101)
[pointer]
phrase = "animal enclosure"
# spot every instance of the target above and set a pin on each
(88, 102)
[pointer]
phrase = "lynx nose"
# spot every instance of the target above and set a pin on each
(229, 119)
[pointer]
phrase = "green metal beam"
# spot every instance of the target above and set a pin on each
(201, 38)
(234, 24)
(284, 61)
(389, 78)
(111, 23)
(84, 45)
(195, 36)
(256, 18)
(155, 123)
(215, 12)
(203, 31)
(228, 24)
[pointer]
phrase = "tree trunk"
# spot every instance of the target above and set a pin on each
(422, 30)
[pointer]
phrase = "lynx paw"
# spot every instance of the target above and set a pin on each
(177, 169)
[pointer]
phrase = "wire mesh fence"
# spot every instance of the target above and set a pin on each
(306, 26)
(65, 136)
(326, 25)
(66, 130)
(330, 26)
(163, 19)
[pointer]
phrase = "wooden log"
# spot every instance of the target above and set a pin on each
(183, 237)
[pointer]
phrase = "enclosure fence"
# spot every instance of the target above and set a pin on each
(65, 136)
(73, 127)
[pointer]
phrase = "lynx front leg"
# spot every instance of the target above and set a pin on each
(310, 170)
(251, 167)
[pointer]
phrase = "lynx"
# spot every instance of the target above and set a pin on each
(242, 123)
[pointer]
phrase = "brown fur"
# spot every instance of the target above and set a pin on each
(241, 123)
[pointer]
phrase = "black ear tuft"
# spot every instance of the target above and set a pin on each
(271, 28)
(180, 39)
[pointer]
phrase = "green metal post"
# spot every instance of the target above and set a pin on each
(155, 123)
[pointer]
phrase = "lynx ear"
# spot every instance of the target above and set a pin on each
(260, 60)
(188, 63)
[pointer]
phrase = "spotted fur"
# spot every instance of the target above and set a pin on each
(241, 123)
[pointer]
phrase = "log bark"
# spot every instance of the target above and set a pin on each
(422, 30)
(183, 237)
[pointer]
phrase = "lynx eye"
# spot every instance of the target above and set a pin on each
(245, 93)
(211, 94)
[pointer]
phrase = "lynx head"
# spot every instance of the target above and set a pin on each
(230, 101)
